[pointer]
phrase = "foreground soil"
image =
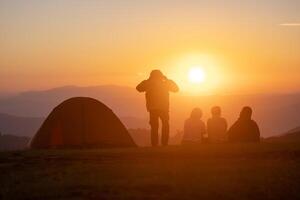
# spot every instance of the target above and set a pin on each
(225, 171)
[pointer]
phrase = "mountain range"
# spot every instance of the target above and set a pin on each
(24, 112)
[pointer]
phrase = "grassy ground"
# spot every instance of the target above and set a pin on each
(227, 171)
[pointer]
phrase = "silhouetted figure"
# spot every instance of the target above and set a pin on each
(157, 89)
(194, 128)
(244, 129)
(216, 126)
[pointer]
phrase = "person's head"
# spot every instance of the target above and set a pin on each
(156, 74)
(246, 113)
(196, 113)
(216, 111)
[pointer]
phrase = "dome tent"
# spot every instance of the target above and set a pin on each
(82, 122)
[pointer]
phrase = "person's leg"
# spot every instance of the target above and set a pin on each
(154, 127)
(164, 116)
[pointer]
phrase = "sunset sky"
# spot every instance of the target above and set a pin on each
(249, 46)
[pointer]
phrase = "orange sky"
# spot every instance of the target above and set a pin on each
(245, 47)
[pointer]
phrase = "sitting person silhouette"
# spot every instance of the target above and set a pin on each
(157, 89)
(244, 129)
(216, 126)
(194, 128)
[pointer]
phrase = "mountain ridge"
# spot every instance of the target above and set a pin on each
(275, 113)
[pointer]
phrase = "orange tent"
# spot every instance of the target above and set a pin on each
(82, 122)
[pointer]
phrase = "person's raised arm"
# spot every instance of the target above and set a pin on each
(173, 87)
(142, 86)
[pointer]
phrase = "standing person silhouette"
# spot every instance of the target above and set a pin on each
(157, 88)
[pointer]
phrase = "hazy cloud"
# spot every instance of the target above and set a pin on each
(290, 24)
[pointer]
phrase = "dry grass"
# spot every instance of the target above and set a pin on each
(227, 171)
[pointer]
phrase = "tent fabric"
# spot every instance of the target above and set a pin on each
(82, 122)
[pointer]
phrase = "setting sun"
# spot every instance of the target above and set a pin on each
(196, 75)
(178, 98)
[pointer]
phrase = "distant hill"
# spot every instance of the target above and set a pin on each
(292, 135)
(40, 103)
(141, 137)
(11, 142)
(294, 130)
(274, 113)
(28, 126)
(19, 126)
(134, 122)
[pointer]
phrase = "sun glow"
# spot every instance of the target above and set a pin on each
(196, 75)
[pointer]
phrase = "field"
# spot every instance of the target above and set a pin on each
(225, 171)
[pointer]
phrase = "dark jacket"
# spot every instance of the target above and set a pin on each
(157, 93)
(194, 129)
(244, 130)
(216, 129)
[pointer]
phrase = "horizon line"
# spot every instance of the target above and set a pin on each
(182, 92)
